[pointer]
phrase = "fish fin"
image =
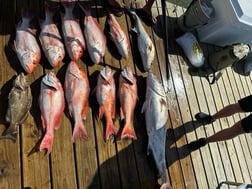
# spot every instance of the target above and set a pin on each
(134, 29)
(79, 132)
(46, 143)
(121, 114)
(101, 112)
(110, 130)
(143, 107)
(84, 111)
(10, 133)
(128, 132)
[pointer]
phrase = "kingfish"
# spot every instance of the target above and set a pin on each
(106, 98)
(52, 104)
(26, 45)
(156, 114)
(144, 42)
(72, 33)
(77, 91)
(94, 35)
(128, 97)
(50, 38)
(118, 36)
(19, 104)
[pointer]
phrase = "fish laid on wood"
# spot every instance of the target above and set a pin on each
(72, 33)
(50, 38)
(52, 104)
(118, 36)
(127, 93)
(94, 35)
(26, 45)
(106, 97)
(20, 101)
(77, 91)
(144, 42)
(156, 114)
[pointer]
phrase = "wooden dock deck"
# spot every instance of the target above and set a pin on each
(97, 163)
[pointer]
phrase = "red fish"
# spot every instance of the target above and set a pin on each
(27, 48)
(94, 35)
(118, 36)
(128, 97)
(77, 91)
(73, 37)
(52, 104)
(106, 97)
(50, 38)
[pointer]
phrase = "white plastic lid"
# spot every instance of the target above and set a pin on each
(243, 9)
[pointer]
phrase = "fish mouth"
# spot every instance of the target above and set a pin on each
(155, 85)
(50, 80)
(20, 82)
(106, 73)
(127, 75)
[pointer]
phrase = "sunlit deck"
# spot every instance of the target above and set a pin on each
(97, 163)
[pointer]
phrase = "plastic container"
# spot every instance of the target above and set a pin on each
(231, 24)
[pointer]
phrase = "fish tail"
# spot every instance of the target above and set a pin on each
(50, 10)
(10, 133)
(68, 4)
(46, 143)
(79, 132)
(110, 130)
(128, 132)
(85, 8)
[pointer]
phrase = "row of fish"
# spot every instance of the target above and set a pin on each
(76, 91)
(75, 43)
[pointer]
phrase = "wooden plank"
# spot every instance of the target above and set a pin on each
(10, 161)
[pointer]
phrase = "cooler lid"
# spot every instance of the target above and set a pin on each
(243, 9)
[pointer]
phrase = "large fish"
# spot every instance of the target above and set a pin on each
(156, 114)
(144, 42)
(19, 100)
(94, 35)
(106, 97)
(77, 93)
(52, 104)
(50, 38)
(118, 36)
(72, 33)
(127, 93)
(26, 45)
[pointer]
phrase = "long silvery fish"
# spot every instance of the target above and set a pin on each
(72, 33)
(144, 42)
(94, 35)
(50, 38)
(26, 45)
(52, 104)
(77, 90)
(156, 114)
(106, 98)
(20, 101)
(118, 36)
(127, 93)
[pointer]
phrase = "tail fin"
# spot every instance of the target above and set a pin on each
(128, 132)
(46, 143)
(110, 130)
(79, 132)
(85, 8)
(10, 133)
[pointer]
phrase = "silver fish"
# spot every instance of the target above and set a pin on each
(20, 101)
(144, 42)
(156, 114)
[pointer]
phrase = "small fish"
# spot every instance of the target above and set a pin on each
(118, 36)
(50, 38)
(72, 34)
(77, 91)
(26, 45)
(144, 42)
(20, 101)
(106, 97)
(94, 35)
(52, 104)
(156, 114)
(128, 97)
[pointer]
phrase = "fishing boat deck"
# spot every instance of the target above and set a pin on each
(97, 163)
